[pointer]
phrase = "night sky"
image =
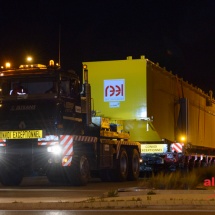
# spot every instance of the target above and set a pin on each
(178, 34)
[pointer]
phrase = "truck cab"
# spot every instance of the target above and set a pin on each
(37, 104)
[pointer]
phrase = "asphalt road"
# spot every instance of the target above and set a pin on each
(107, 212)
(38, 196)
(39, 187)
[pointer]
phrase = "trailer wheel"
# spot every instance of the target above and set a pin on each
(11, 177)
(79, 172)
(121, 172)
(133, 165)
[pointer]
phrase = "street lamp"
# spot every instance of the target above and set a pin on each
(7, 65)
(29, 59)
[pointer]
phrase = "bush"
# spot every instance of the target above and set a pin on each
(112, 193)
(181, 180)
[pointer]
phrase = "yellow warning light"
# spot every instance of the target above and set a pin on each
(183, 138)
(51, 63)
(65, 160)
(7, 65)
(84, 66)
(29, 59)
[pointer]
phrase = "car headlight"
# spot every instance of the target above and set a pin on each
(54, 149)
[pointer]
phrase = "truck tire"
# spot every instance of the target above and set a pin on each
(11, 177)
(133, 165)
(121, 172)
(79, 172)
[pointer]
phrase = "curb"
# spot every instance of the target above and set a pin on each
(161, 199)
(102, 205)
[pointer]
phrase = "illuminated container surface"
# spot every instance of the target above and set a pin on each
(150, 102)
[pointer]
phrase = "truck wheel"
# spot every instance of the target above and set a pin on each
(121, 172)
(133, 165)
(10, 177)
(79, 173)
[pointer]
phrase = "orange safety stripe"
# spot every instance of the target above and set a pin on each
(67, 142)
(177, 147)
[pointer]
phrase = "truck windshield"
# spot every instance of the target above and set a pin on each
(10, 87)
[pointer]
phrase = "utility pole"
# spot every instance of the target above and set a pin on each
(59, 44)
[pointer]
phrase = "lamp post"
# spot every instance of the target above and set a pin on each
(7, 65)
(29, 59)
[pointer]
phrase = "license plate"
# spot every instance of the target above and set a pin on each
(28, 134)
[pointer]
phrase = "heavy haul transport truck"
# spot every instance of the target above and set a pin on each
(46, 127)
(173, 120)
(126, 110)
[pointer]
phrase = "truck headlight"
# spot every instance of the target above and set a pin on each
(54, 149)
